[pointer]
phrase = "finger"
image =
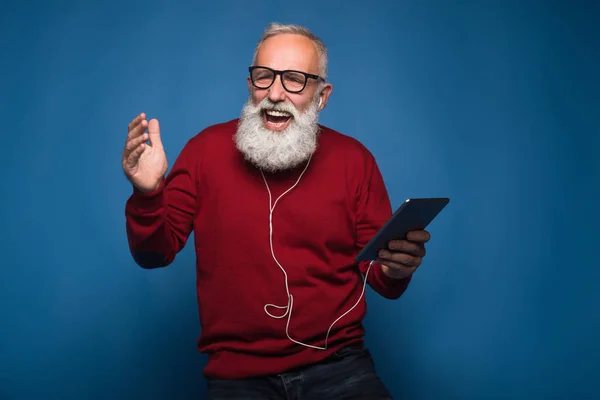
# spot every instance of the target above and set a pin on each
(137, 130)
(404, 246)
(134, 143)
(154, 133)
(136, 121)
(418, 236)
(398, 269)
(134, 156)
(400, 258)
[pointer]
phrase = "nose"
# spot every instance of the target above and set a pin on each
(276, 91)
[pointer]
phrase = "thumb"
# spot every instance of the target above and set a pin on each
(154, 133)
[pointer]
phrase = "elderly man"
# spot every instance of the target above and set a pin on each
(279, 205)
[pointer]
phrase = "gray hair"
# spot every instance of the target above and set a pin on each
(276, 28)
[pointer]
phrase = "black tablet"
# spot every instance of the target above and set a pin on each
(413, 214)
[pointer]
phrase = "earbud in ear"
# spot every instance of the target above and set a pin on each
(320, 101)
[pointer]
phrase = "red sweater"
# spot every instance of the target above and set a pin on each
(318, 228)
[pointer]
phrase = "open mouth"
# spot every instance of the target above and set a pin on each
(277, 120)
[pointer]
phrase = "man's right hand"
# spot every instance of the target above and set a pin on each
(144, 165)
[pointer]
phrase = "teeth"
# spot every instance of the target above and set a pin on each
(274, 113)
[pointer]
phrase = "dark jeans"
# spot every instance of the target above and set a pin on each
(348, 374)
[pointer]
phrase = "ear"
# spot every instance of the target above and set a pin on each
(324, 95)
(249, 82)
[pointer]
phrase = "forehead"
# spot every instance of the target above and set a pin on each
(288, 51)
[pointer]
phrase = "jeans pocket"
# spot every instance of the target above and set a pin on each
(349, 351)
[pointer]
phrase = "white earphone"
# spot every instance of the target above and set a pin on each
(320, 101)
(290, 300)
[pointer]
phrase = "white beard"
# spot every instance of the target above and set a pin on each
(275, 151)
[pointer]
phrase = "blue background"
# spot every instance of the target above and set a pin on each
(494, 104)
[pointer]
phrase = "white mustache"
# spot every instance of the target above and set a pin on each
(275, 152)
(268, 105)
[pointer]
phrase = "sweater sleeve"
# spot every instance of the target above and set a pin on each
(373, 211)
(159, 223)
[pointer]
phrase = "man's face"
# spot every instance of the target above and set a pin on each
(278, 128)
(287, 52)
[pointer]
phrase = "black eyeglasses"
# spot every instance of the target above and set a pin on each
(292, 81)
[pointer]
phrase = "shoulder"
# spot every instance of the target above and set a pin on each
(213, 141)
(220, 133)
(340, 145)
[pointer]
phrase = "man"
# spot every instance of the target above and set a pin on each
(279, 206)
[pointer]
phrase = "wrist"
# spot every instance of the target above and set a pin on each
(149, 192)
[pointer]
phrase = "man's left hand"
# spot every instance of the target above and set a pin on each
(403, 257)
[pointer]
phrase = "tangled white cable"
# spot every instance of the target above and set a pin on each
(290, 304)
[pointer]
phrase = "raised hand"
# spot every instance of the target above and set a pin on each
(144, 165)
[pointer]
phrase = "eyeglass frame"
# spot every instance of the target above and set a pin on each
(280, 73)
